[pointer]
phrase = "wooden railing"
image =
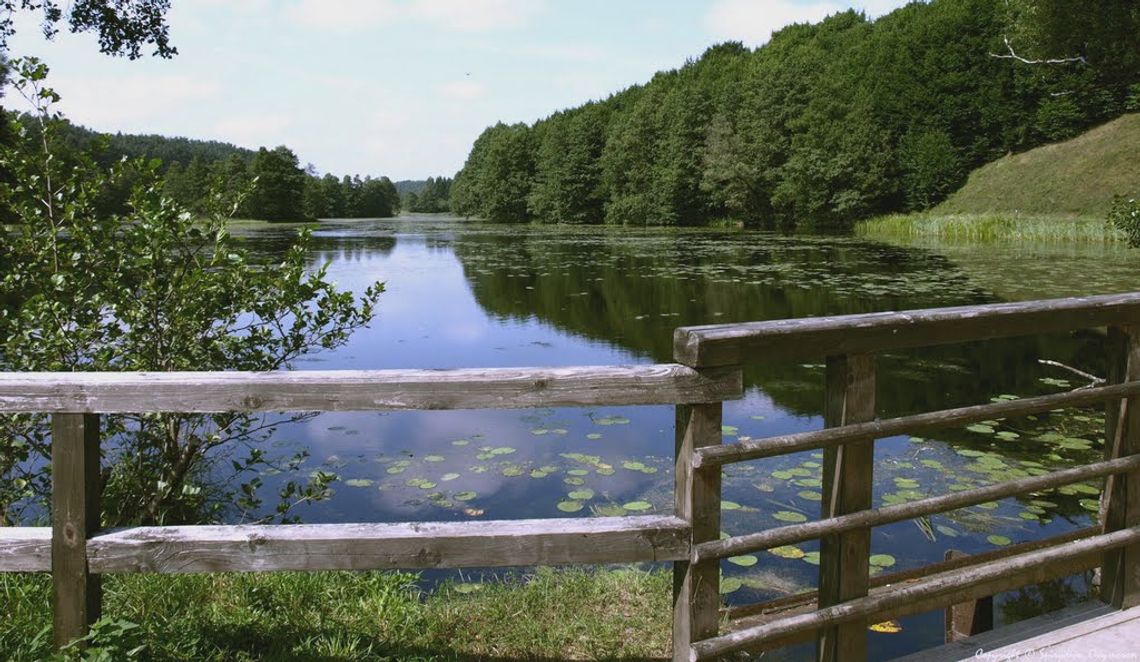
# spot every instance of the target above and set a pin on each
(848, 599)
(77, 552)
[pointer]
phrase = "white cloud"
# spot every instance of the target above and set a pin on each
(462, 90)
(476, 15)
(137, 99)
(347, 15)
(754, 22)
(256, 130)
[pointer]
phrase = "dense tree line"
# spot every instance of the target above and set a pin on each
(825, 124)
(432, 196)
(269, 183)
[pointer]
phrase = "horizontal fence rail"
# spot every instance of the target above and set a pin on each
(497, 388)
(732, 344)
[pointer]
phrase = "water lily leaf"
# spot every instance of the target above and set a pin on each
(633, 466)
(358, 482)
(502, 450)
(746, 560)
(612, 420)
(882, 560)
(788, 552)
(729, 429)
(637, 506)
(465, 496)
(569, 506)
(729, 505)
(980, 429)
(1091, 505)
(583, 494)
(538, 473)
(449, 477)
(578, 472)
(809, 495)
(573, 480)
(946, 531)
(538, 432)
(594, 435)
(730, 585)
(1000, 541)
(782, 475)
(886, 627)
(789, 516)
(811, 557)
(967, 452)
(467, 588)
(460, 442)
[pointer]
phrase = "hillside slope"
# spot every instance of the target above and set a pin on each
(1077, 177)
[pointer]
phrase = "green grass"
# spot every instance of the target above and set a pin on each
(1055, 193)
(988, 227)
(567, 614)
(1077, 177)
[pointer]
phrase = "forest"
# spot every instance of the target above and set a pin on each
(823, 125)
(269, 184)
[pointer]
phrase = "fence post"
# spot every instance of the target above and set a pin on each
(848, 477)
(75, 514)
(1120, 569)
(696, 496)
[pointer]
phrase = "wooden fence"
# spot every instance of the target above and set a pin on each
(708, 372)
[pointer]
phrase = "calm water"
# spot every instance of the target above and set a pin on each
(467, 295)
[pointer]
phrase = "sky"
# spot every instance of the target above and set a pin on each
(390, 87)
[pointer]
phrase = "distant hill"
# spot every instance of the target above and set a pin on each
(1077, 177)
(410, 186)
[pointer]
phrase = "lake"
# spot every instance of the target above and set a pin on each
(468, 295)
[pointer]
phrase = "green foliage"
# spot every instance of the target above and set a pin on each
(122, 27)
(823, 125)
(432, 196)
(1125, 216)
(150, 289)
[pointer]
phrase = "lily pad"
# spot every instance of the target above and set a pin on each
(1000, 541)
(980, 429)
(809, 495)
(789, 516)
(358, 482)
(594, 435)
(465, 496)
(574, 480)
(882, 560)
(788, 552)
(449, 477)
(637, 506)
(729, 505)
(433, 458)
(612, 420)
(811, 557)
(584, 494)
(746, 560)
(569, 506)
(730, 585)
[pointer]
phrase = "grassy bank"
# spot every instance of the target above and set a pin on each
(988, 227)
(569, 614)
(1055, 193)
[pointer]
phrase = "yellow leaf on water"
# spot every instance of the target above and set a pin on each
(886, 627)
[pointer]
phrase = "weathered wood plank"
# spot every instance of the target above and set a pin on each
(814, 439)
(848, 479)
(181, 549)
(206, 392)
(787, 535)
(1120, 578)
(75, 509)
(925, 594)
(732, 344)
(25, 549)
(696, 493)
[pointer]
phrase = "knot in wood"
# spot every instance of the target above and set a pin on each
(256, 540)
(70, 534)
(541, 384)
